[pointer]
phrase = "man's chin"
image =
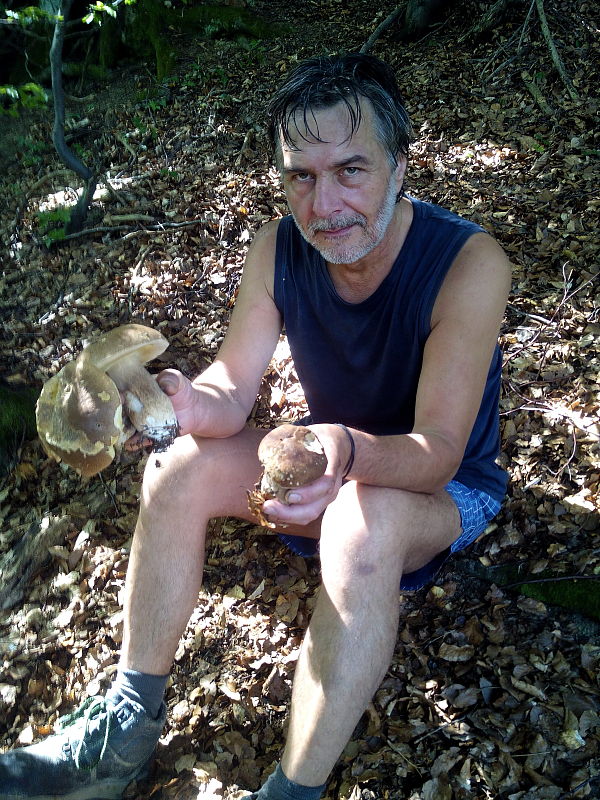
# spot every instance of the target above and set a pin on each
(336, 255)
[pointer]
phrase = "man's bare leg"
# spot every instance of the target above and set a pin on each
(197, 479)
(351, 637)
(369, 537)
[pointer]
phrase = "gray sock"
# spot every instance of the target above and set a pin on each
(147, 690)
(278, 787)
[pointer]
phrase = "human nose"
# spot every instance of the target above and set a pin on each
(326, 198)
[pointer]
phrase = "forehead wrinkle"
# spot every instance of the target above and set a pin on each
(295, 167)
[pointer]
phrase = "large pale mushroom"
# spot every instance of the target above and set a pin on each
(87, 410)
(291, 456)
(121, 353)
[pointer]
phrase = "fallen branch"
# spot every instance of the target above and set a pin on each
(158, 228)
(381, 28)
(554, 52)
(486, 21)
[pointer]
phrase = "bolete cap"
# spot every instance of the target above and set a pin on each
(292, 456)
(130, 341)
(79, 417)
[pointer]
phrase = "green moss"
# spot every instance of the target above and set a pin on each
(580, 595)
(217, 22)
(145, 33)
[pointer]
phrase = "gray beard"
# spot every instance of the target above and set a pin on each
(373, 234)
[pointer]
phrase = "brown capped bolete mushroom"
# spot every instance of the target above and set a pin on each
(83, 412)
(291, 456)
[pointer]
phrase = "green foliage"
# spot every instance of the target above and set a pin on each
(144, 128)
(17, 421)
(98, 11)
(30, 150)
(30, 95)
(25, 17)
(53, 224)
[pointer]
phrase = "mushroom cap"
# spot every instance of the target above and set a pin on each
(291, 456)
(79, 417)
(130, 341)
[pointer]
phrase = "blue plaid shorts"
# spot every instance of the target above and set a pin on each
(476, 509)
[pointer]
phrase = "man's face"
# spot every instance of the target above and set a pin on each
(341, 191)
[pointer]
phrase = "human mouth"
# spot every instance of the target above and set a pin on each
(334, 230)
(336, 233)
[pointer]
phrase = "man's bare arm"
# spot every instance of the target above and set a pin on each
(465, 323)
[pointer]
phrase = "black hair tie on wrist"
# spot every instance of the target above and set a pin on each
(350, 463)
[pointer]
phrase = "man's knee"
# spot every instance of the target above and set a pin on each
(203, 474)
(358, 543)
(175, 471)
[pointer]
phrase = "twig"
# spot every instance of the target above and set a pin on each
(557, 579)
(439, 729)
(588, 425)
(525, 24)
(397, 750)
(159, 227)
(383, 26)
(554, 52)
(535, 92)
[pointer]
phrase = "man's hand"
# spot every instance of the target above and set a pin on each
(307, 503)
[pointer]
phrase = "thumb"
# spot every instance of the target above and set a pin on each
(170, 381)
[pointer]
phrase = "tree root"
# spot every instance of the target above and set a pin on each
(381, 28)
(554, 52)
(535, 92)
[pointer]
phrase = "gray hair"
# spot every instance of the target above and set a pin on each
(325, 81)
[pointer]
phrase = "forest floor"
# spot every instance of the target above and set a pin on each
(492, 692)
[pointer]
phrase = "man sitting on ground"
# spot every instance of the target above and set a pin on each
(392, 308)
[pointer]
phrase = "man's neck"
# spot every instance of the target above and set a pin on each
(357, 281)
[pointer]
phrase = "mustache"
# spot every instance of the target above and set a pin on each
(336, 223)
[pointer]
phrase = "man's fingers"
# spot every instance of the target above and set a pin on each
(299, 514)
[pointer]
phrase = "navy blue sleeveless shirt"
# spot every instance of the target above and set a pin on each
(359, 363)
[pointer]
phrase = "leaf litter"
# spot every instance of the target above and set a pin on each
(491, 693)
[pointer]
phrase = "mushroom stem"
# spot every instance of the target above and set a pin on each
(147, 406)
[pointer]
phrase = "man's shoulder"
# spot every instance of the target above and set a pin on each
(265, 241)
(268, 231)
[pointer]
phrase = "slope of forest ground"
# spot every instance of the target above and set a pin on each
(491, 693)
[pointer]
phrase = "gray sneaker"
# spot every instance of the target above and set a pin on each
(98, 751)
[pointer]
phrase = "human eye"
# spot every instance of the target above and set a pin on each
(301, 177)
(350, 172)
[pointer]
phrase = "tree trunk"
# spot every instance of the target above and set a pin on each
(79, 213)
